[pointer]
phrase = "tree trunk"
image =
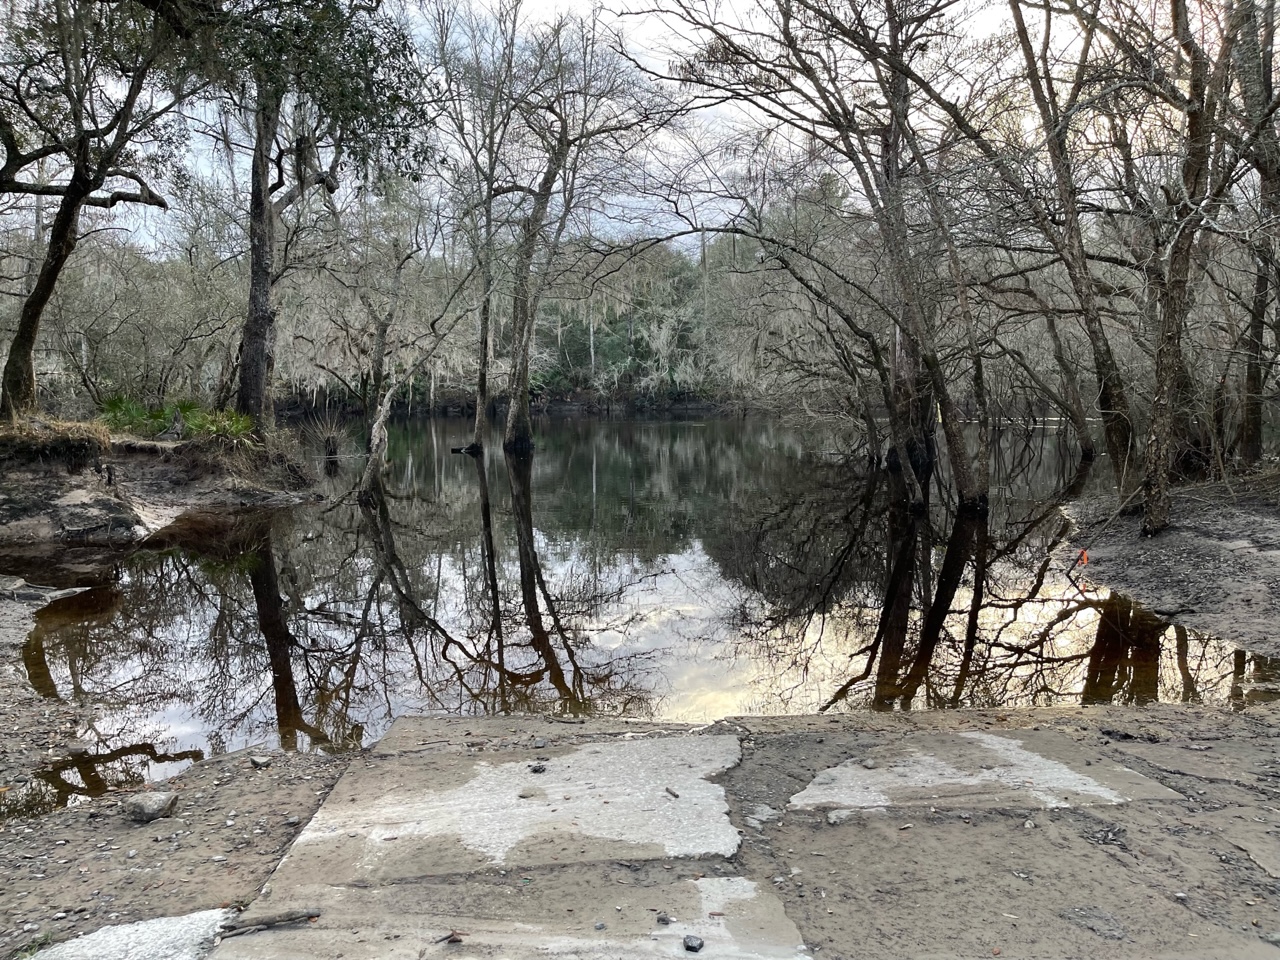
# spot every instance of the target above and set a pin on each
(257, 343)
(524, 302)
(482, 376)
(1155, 485)
(519, 434)
(18, 386)
(1172, 377)
(1253, 55)
(1251, 420)
(1071, 391)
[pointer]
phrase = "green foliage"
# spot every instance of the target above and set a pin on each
(129, 416)
(354, 67)
(222, 424)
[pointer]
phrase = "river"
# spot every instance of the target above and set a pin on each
(680, 571)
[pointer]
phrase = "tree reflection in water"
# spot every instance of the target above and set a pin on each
(839, 585)
(626, 569)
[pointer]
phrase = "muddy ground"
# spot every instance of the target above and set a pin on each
(72, 863)
(1077, 881)
(77, 868)
(1216, 569)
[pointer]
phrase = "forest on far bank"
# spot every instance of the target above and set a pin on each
(912, 217)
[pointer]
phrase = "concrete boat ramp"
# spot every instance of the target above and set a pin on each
(1053, 834)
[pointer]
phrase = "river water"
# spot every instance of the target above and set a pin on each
(671, 570)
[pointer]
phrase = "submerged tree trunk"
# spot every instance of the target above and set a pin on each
(1126, 652)
(257, 344)
(36, 662)
(518, 438)
(18, 386)
(482, 375)
(895, 617)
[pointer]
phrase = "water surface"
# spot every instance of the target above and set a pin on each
(670, 570)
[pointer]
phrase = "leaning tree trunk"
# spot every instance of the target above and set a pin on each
(519, 434)
(257, 343)
(1159, 453)
(18, 386)
(524, 305)
(1071, 390)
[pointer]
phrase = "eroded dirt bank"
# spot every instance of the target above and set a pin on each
(76, 494)
(1216, 569)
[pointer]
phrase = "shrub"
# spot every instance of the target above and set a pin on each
(129, 416)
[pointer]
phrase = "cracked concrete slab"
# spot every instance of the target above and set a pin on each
(976, 768)
(651, 793)
(956, 836)
(571, 848)
(175, 938)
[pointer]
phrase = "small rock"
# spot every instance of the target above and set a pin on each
(30, 927)
(145, 807)
(664, 918)
(539, 744)
(527, 793)
(1179, 896)
(260, 763)
(1271, 938)
(599, 926)
(291, 821)
(538, 768)
(692, 944)
(131, 854)
(218, 859)
(60, 915)
(869, 764)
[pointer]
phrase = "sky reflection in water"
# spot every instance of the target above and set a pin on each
(681, 571)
